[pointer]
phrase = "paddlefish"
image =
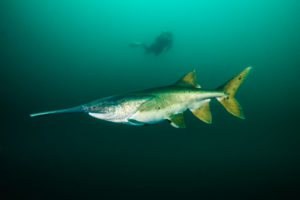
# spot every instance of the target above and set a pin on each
(164, 103)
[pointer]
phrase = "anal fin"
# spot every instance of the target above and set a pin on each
(203, 113)
(177, 120)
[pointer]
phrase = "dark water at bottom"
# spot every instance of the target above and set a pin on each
(57, 54)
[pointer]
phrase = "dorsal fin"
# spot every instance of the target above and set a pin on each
(188, 80)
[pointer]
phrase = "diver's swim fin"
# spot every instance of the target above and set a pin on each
(136, 44)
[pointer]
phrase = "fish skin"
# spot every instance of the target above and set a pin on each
(164, 103)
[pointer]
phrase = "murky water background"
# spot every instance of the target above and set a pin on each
(56, 54)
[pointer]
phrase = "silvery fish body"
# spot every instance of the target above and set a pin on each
(165, 103)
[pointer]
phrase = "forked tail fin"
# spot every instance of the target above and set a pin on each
(230, 88)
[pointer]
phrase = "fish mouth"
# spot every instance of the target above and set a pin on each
(97, 115)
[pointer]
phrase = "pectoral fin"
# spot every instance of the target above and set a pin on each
(177, 120)
(135, 122)
(203, 112)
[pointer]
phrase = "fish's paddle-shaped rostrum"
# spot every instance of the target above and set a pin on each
(165, 103)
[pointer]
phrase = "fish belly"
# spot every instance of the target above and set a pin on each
(157, 115)
(149, 117)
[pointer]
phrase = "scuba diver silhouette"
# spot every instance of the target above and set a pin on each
(162, 42)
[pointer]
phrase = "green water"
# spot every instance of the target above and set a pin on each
(57, 54)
